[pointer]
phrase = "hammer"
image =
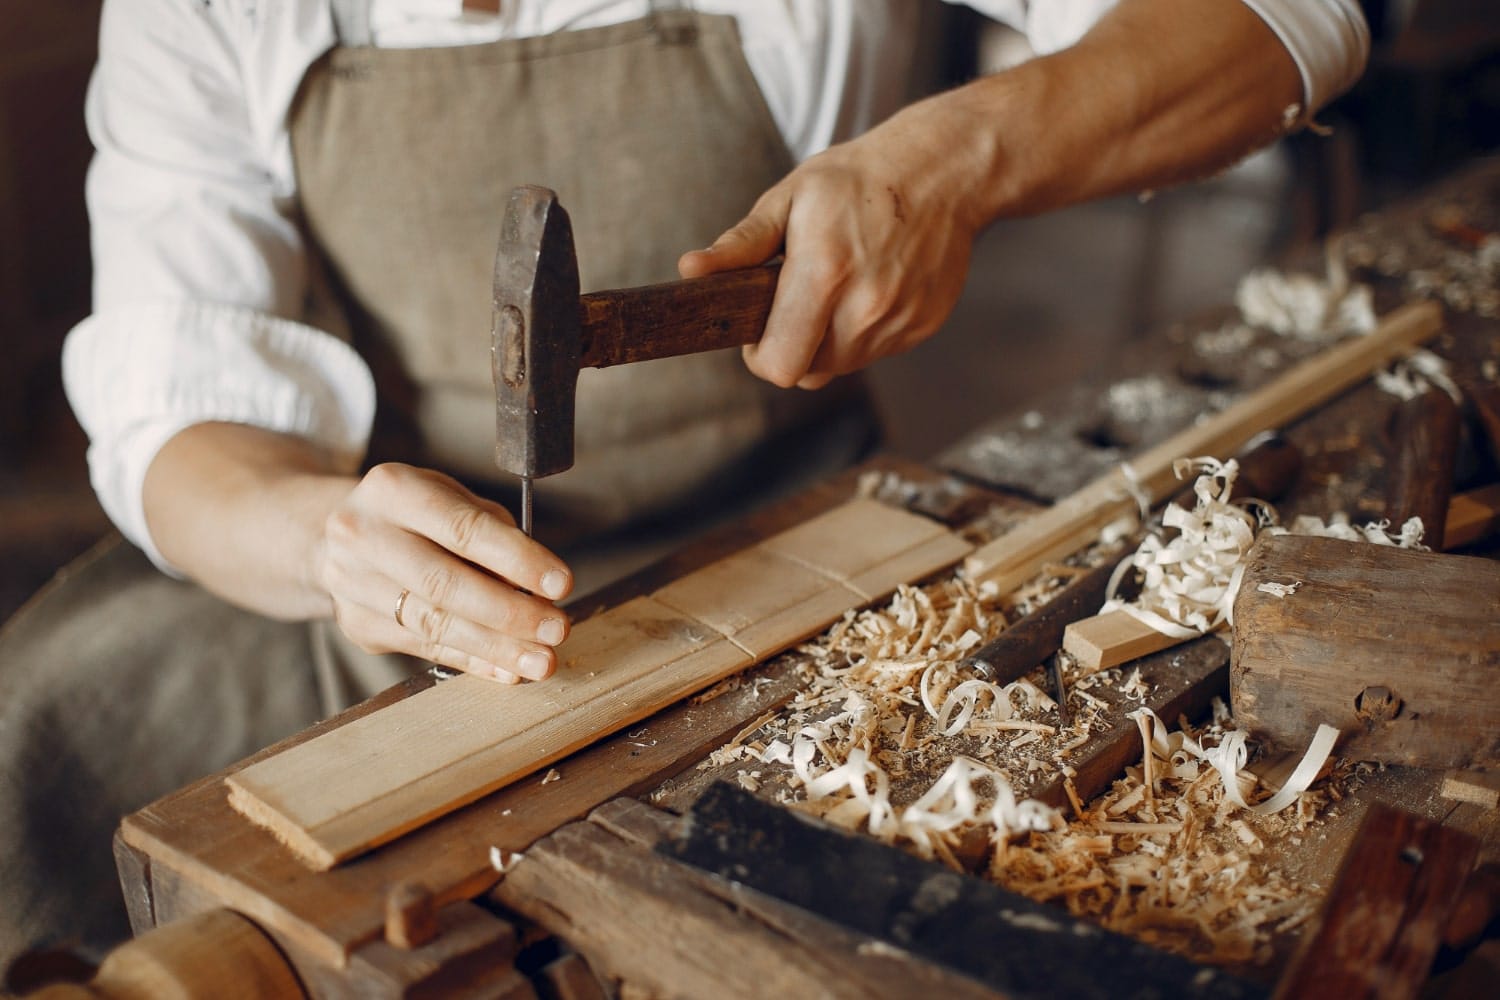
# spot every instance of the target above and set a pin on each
(543, 331)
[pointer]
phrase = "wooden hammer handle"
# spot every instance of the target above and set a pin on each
(679, 317)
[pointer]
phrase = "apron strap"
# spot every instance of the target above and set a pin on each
(351, 23)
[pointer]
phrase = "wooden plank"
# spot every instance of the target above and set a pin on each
(1398, 649)
(382, 776)
(1113, 638)
(371, 781)
(1384, 919)
(1077, 519)
(1472, 516)
(196, 840)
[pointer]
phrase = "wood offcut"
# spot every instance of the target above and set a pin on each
(1399, 649)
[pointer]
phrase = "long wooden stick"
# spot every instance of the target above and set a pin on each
(1077, 519)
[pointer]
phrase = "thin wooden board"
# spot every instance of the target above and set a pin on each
(384, 775)
(1113, 638)
(1065, 527)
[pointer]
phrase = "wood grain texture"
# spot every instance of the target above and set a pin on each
(1077, 519)
(377, 778)
(1113, 638)
(677, 317)
(1398, 649)
(1384, 919)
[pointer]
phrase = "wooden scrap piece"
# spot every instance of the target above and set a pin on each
(1425, 431)
(1474, 787)
(1079, 518)
(1472, 516)
(1111, 639)
(380, 776)
(1399, 649)
(1385, 916)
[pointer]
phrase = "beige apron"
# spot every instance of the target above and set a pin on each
(119, 684)
(656, 138)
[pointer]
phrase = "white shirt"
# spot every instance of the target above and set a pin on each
(199, 270)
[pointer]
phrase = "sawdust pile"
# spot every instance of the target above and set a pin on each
(888, 704)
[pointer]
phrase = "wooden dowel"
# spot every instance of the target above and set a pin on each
(1078, 518)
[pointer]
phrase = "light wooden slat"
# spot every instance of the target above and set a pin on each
(1077, 519)
(761, 601)
(368, 782)
(1113, 638)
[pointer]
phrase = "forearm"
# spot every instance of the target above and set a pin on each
(1157, 93)
(242, 511)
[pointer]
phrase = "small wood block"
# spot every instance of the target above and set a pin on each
(1398, 649)
(1113, 638)
(1475, 787)
(1472, 516)
(1384, 918)
(410, 915)
(378, 777)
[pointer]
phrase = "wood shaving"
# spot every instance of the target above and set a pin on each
(889, 704)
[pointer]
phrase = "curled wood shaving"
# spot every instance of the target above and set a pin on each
(889, 704)
(1304, 307)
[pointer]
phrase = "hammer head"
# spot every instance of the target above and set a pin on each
(535, 336)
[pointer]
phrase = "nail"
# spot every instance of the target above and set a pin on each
(555, 583)
(550, 631)
(535, 665)
(505, 676)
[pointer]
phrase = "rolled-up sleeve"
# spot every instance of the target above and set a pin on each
(1329, 40)
(200, 275)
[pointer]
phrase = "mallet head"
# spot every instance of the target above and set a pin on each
(535, 336)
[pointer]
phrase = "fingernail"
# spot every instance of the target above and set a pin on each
(550, 631)
(555, 583)
(505, 676)
(534, 665)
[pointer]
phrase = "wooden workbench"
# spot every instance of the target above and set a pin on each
(647, 915)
